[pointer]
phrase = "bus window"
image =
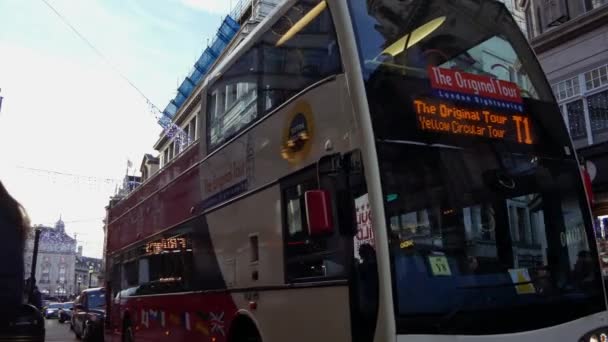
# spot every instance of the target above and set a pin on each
(271, 72)
(232, 101)
(291, 63)
(166, 264)
(130, 273)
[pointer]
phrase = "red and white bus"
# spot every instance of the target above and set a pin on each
(380, 170)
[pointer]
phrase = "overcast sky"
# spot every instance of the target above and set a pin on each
(65, 110)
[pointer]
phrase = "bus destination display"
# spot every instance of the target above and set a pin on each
(442, 117)
(166, 245)
(475, 89)
(473, 105)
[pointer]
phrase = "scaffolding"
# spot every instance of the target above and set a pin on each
(224, 35)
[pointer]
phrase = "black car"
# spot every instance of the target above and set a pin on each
(24, 324)
(65, 313)
(52, 310)
(88, 314)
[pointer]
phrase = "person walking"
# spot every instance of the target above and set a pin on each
(14, 228)
(36, 298)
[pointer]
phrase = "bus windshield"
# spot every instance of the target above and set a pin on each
(489, 229)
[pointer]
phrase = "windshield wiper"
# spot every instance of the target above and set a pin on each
(419, 143)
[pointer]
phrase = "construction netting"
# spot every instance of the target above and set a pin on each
(224, 35)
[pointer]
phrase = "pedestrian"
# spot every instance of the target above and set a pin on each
(14, 227)
(36, 298)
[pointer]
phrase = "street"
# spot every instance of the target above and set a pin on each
(58, 332)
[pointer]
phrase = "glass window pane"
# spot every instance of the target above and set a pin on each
(293, 63)
(577, 87)
(230, 110)
(598, 114)
(602, 73)
(280, 65)
(294, 217)
(576, 119)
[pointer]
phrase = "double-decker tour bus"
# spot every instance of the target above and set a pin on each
(380, 170)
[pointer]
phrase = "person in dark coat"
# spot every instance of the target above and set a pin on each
(36, 298)
(14, 227)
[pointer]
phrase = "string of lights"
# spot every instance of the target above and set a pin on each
(165, 121)
(107, 180)
(50, 224)
(91, 183)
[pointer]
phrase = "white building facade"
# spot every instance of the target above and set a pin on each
(56, 261)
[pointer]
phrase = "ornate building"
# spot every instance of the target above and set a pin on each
(86, 272)
(56, 260)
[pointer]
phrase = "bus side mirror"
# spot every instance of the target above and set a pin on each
(319, 212)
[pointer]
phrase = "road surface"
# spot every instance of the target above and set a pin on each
(58, 332)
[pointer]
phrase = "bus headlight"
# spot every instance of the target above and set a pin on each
(594, 338)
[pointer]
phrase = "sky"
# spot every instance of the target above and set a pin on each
(69, 122)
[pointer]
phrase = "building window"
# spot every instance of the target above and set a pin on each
(166, 157)
(593, 4)
(596, 77)
(576, 119)
(46, 272)
(171, 151)
(192, 130)
(176, 147)
(598, 112)
(567, 89)
(62, 273)
(187, 136)
(539, 22)
(589, 107)
(529, 23)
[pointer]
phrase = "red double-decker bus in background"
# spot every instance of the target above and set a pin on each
(380, 170)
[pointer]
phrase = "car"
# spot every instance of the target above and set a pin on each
(47, 300)
(52, 310)
(26, 323)
(88, 314)
(65, 313)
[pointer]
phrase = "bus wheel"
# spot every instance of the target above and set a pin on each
(243, 330)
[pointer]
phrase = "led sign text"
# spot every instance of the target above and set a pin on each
(447, 118)
(166, 245)
(471, 84)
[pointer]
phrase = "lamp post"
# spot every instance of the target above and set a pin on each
(32, 284)
(90, 274)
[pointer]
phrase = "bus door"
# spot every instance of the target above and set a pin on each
(325, 211)
(315, 251)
